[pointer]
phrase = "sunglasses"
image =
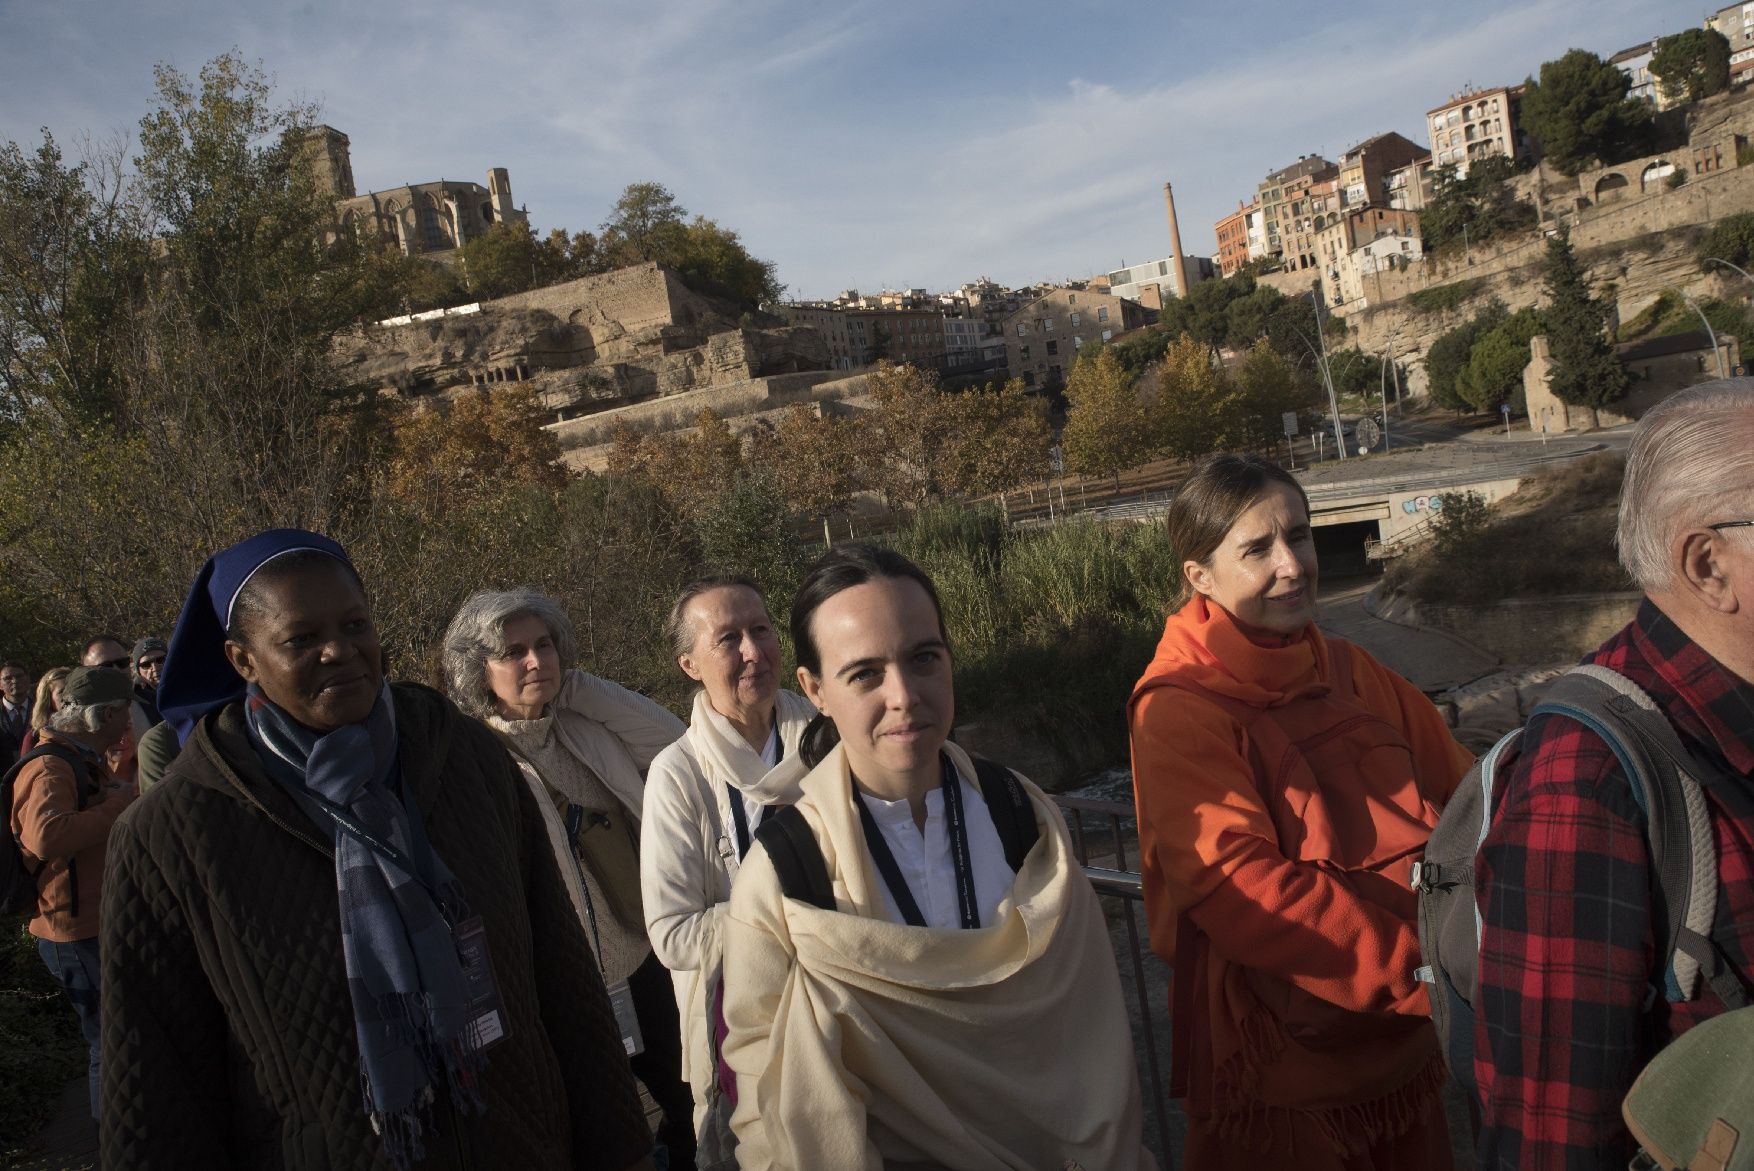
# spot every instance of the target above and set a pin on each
(158, 662)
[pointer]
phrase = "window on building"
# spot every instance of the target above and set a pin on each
(1077, 342)
(1023, 353)
(1106, 334)
(1102, 315)
(1071, 298)
(1053, 349)
(1023, 329)
(1029, 378)
(1076, 318)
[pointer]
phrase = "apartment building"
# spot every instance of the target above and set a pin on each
(1476, 125)
(1366, 169)
(1736, 23)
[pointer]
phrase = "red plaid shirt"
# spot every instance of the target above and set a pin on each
(1565, 889)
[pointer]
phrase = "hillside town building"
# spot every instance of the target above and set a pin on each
(1042, 339)
(1285, 197)
(1475, 125)
(1736, 23)
(1233, 236)
(1367, 169)
(1153, 282)
(1365, 241)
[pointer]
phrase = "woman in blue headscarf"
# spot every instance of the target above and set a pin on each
(334, 937)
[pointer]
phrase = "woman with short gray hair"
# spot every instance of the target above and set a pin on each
(584, 744)
(706, 796)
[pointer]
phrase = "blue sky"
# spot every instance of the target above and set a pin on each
(856, 144)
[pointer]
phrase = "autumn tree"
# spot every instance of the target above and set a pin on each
(481, 439)
(1002, 438)
(1692, 64)
(1196, 408)
(818, 462)
(1268, 388)
(1107, 430)
(1586, 371)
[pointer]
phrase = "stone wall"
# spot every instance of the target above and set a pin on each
(583, 346)
(586, 441)
(1653, 380)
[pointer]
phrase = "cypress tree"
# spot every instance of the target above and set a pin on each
(1586, 371)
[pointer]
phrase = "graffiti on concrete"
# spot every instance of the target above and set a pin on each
(1418, 504)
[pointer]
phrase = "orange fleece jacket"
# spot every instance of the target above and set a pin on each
(1293, 886)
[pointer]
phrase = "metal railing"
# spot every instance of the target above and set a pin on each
(1116, 826)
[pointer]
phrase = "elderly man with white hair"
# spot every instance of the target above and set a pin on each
(1568, 947)
(63, 804)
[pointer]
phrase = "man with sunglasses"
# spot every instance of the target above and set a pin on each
(105, 650)
(1568, 1005)
(146, 661)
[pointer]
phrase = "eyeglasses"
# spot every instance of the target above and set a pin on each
(1730, 524)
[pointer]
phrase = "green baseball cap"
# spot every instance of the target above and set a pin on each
(89, 685)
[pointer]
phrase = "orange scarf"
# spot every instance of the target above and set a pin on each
(1284, 792)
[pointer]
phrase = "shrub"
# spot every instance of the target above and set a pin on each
(1441, 297)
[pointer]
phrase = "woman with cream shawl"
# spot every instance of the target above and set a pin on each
(948, 1013)
(706, 795)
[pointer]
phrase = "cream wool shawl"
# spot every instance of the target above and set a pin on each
(614, 731)
(688, 857)
(861, 1043)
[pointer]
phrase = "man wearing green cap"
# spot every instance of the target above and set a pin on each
(64, 803)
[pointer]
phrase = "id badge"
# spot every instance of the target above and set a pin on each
(621, 1000)
(487, 1020)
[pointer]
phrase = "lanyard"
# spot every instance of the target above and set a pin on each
(738, 816)
(424, 871)
(955, 828)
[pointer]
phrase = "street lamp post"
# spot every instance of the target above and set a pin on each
(1709, 331)
(1327, 371)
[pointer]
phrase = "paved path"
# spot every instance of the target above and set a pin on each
(1432, 660)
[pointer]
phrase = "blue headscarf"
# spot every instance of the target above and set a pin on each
(198, 678)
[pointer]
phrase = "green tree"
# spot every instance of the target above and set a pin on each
(1448, 356)
(1581, 114)
(73, 256)
(1106, 428)
(1692, 64)
(713, 260)
(644, 225)
(1585, 370)
(1494, 373)
(1475, 208)
(1731, 239)
(499, 262)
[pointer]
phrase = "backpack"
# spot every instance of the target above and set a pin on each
(1693, 1106)
(1661, 773)
(18, 881)
(797, 856)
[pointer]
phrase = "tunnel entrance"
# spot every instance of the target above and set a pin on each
(1340, 548)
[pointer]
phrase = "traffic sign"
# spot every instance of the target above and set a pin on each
(1289, 419)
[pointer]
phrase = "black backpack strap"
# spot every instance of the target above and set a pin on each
(796, 858)
(81, 777)
(1012, 812)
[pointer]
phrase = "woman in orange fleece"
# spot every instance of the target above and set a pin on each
(1286, 782)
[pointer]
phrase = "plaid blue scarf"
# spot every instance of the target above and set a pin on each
(410, 1003)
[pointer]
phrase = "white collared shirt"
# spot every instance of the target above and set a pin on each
(925, 860)
(770, 756)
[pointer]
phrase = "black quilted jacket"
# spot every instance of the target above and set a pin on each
(228, 1032)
